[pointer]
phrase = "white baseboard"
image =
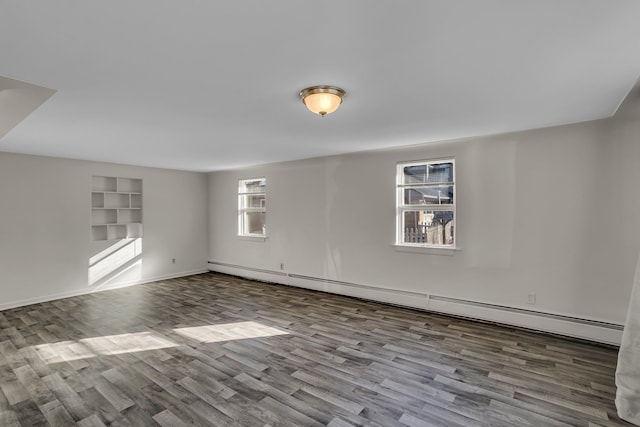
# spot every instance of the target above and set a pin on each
(61, 295)
(556, 323)
(588, 329)
(390, 296)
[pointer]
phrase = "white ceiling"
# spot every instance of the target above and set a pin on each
(208, 85)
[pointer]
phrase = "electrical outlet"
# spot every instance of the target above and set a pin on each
(531, 299)
(282, 266)
(173, 260)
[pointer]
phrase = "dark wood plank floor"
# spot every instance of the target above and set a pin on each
(218, 350)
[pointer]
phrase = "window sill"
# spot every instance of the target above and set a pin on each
(426, 250)
(252, 238)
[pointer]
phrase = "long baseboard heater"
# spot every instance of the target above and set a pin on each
(556, 323)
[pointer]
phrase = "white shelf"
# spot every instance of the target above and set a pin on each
(104, 183)
(99, 232)
(117, 232)
(116, 208)
(127, 216)
(129, 185)
(104, 216)
(97, 200)
(134, 230)
(116, 200)
(136, 201)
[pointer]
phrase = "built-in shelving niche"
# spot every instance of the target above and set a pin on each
(116, 208)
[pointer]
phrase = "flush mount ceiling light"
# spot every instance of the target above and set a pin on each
(322, 100)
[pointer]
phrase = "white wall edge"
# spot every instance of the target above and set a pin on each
(88, 290)
(555, 323)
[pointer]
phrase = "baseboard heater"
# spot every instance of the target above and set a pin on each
(584, 328)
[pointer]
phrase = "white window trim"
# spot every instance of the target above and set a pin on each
(425, 248)
(242, 210)
(252, 237)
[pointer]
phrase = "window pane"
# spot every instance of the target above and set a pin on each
(428, 173)
(252, 185)
(257, 201)
(440, 195)
(440, 172)
(254, 222)
(416, 174)
(428, 227)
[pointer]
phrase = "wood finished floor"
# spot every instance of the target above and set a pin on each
(216, 350)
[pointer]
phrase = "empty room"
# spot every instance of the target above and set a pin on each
(295, 213)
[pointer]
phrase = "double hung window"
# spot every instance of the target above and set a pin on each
(425, 207)
(252, 207)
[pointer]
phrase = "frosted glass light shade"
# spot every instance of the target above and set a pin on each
(322, 103)
(322, 100)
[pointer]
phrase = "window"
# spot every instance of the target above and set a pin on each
(252, 209)
(426, 205)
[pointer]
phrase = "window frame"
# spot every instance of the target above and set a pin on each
(401, 208)
(244, 209)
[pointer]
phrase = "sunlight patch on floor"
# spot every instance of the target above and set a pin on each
(127, 343)
(229, 331)
(110, 345)
(102, 346)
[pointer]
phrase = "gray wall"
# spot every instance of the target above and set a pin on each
(552, 212)
(45, 212)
